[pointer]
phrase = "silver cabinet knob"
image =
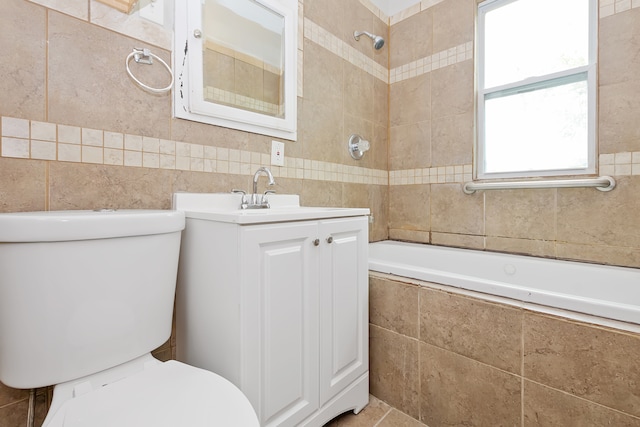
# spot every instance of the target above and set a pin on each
(197, 33)
(316, 242)
(330, 239)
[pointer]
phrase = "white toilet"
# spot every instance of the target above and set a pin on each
(84, 298)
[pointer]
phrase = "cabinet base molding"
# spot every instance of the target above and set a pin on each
(353, 398)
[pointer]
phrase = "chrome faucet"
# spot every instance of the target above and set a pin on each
(255, 200)
(257, 175)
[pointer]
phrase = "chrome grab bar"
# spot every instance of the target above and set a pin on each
(602, 183)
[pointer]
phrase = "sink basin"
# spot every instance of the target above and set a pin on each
(225, 207)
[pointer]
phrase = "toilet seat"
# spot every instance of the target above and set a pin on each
(167, 394)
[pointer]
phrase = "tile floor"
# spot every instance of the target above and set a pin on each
(375, 414)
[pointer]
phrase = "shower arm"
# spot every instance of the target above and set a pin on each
(357, 34)
(378, 41)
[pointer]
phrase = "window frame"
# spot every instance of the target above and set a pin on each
(538, 82)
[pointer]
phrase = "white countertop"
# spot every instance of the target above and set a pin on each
(225, 207)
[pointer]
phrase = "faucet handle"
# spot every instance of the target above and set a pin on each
(236, 191)
(264, 201)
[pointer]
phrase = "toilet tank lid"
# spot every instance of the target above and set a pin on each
(56, 226)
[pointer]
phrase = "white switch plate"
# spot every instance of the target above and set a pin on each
(153, 11)
(277, 153)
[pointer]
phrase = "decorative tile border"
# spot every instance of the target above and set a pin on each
(611, 7)
(606, 8)
(615, 164)
(434, 175)
(27, 139)
(620, 164)
(324, 38)
(222, 96)
(427, 64)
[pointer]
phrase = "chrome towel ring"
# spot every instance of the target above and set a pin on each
(145, 56)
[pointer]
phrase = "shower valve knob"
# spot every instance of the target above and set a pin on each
(358, 146)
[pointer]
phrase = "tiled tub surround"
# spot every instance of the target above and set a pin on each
(538, 284)
(431, 134)
(452, 359)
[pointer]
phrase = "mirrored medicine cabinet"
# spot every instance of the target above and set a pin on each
(235, 64)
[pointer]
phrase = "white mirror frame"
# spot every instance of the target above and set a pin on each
(188, 93)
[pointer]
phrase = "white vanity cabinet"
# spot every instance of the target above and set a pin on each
(281, 310)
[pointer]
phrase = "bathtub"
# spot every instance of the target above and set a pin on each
(594, 290)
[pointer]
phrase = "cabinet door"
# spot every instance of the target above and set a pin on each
(280, 321)
(344, 304)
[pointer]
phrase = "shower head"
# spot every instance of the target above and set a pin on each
(378, 41)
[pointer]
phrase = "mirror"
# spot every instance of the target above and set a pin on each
(243, 56)
(235, 64)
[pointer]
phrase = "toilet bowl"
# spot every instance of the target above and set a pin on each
(85, 296)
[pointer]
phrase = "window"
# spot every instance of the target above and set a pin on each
(536, 88)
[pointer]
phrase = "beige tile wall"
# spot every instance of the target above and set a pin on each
(431, 147)
(77, 133)
(451, 360)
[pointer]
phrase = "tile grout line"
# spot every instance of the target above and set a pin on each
(419, 341)
(566, 393)
(391, 408)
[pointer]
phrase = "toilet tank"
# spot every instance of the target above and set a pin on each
(83, 291)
